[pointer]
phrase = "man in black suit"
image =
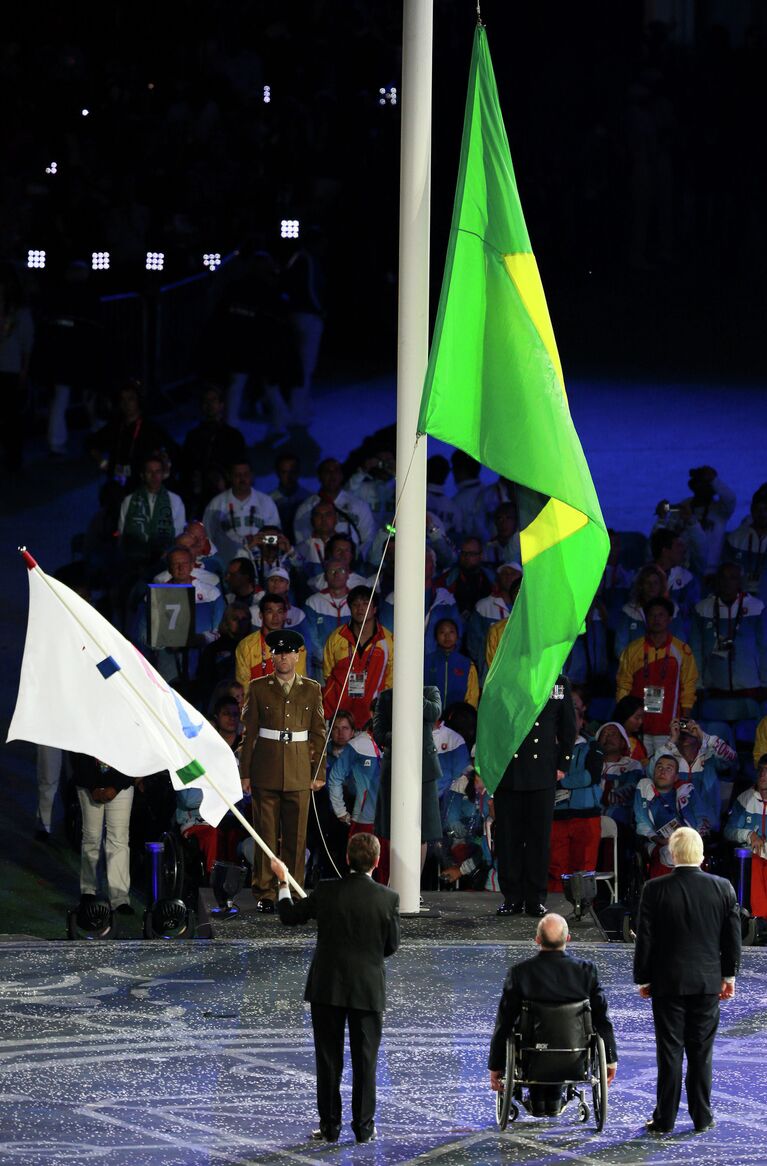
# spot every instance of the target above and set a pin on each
(550, 977)
(686, 957)
(357, 927)
(524, 804)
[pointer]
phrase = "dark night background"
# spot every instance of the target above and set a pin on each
(637, 142)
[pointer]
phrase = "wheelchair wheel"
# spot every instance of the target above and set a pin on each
(503, 1102)
(172, 867)
(599, 1087)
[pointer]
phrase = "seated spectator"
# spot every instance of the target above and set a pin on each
(469, 512)
(650, 582)
(467, 581)
(374, 482)
(462, 717)
(353, 515)
(629, 712)
(620, 774)
(326, 611)
(466, 858)
(494, 607)
(358, 770)
(701, 519)
(200, 572)
(191, 824)
(453, 674)
(502, 492)
(662, 803)
(288, 493)
(240, 581)
(729, 641)
(106, 798)
(760, 741)
(278, 583)
(150, 518)
(503, 546)
(576, 830)
(209, 448)
(217, 659)
(661, 670)
(313, 551)
(747, 546)
(233, 517)
(355, 673)
(494, 634)
(204, 551)
(745, 826)
(253, 657)
(669, 553)
(326, 835)
(231, 834)
(339, 548)
(208, 601)
(701, 757)
(438, 502)
(122, 447)
(230, 688)
(453, 754)
(439, 604)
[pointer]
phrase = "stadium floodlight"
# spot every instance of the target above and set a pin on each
(84, 112)
(289, 228)
(99, 260)
(35, 259)
(267, 94)
(52, 169)
(387, 95)
(211, 260)
(155, 260)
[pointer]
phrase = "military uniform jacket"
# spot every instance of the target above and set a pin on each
(546, 748)
(282, 765)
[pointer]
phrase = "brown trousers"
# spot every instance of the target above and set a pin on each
(280, 817)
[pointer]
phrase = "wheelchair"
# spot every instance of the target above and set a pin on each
(554, 1044)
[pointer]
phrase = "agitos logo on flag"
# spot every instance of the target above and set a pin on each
(494, 388)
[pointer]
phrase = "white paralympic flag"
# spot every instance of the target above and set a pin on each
(86, 688)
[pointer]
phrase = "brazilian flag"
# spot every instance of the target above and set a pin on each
(494, 388)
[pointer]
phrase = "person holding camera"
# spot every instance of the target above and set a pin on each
(106, 798)
(700, 519)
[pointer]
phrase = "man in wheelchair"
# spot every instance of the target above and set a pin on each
(552, 977)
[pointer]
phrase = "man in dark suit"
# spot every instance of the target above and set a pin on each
(357, 927)
(686, 957)
(524, 804)
(550, 977)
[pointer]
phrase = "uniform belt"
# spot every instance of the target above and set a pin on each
(284, 735)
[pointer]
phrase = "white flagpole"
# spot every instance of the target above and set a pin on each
(412, 356)
(156, 717)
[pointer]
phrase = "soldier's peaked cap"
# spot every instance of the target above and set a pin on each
(285, 641)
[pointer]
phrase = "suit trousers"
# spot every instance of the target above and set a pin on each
(113, 820)
(684, 1024)
(280, 817)
(329, 1022)
(522, 835)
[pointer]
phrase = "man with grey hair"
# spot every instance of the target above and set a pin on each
(686, 957)
(551, 977)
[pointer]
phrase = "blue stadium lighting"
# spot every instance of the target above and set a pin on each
(155, 260)
(211, 260)
(99, 260)
(289, 228)
(36, 259)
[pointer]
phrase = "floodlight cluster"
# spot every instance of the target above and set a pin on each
(387, 95)
(211, 260)
(155, 260)
(35, 259)
(100, 260)
(52, 169)
(289, 228)
(267, 94)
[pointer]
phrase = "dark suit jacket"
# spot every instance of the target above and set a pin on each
(357, 927)
(546, 748)
(552, 977)
(688, 933)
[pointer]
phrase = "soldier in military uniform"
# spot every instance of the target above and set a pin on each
(283, 742)
(524, 804)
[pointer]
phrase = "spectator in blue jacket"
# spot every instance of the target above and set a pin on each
(662, 804)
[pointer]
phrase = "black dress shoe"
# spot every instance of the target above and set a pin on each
(325, 1134)
(707, 1125)
(509, 909)
(654, 1127)
(535, 909)
(265, 906)
(371, 1137)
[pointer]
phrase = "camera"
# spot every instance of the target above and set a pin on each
(270, 540)
(684, 726)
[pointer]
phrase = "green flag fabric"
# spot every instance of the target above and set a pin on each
(494, 388)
